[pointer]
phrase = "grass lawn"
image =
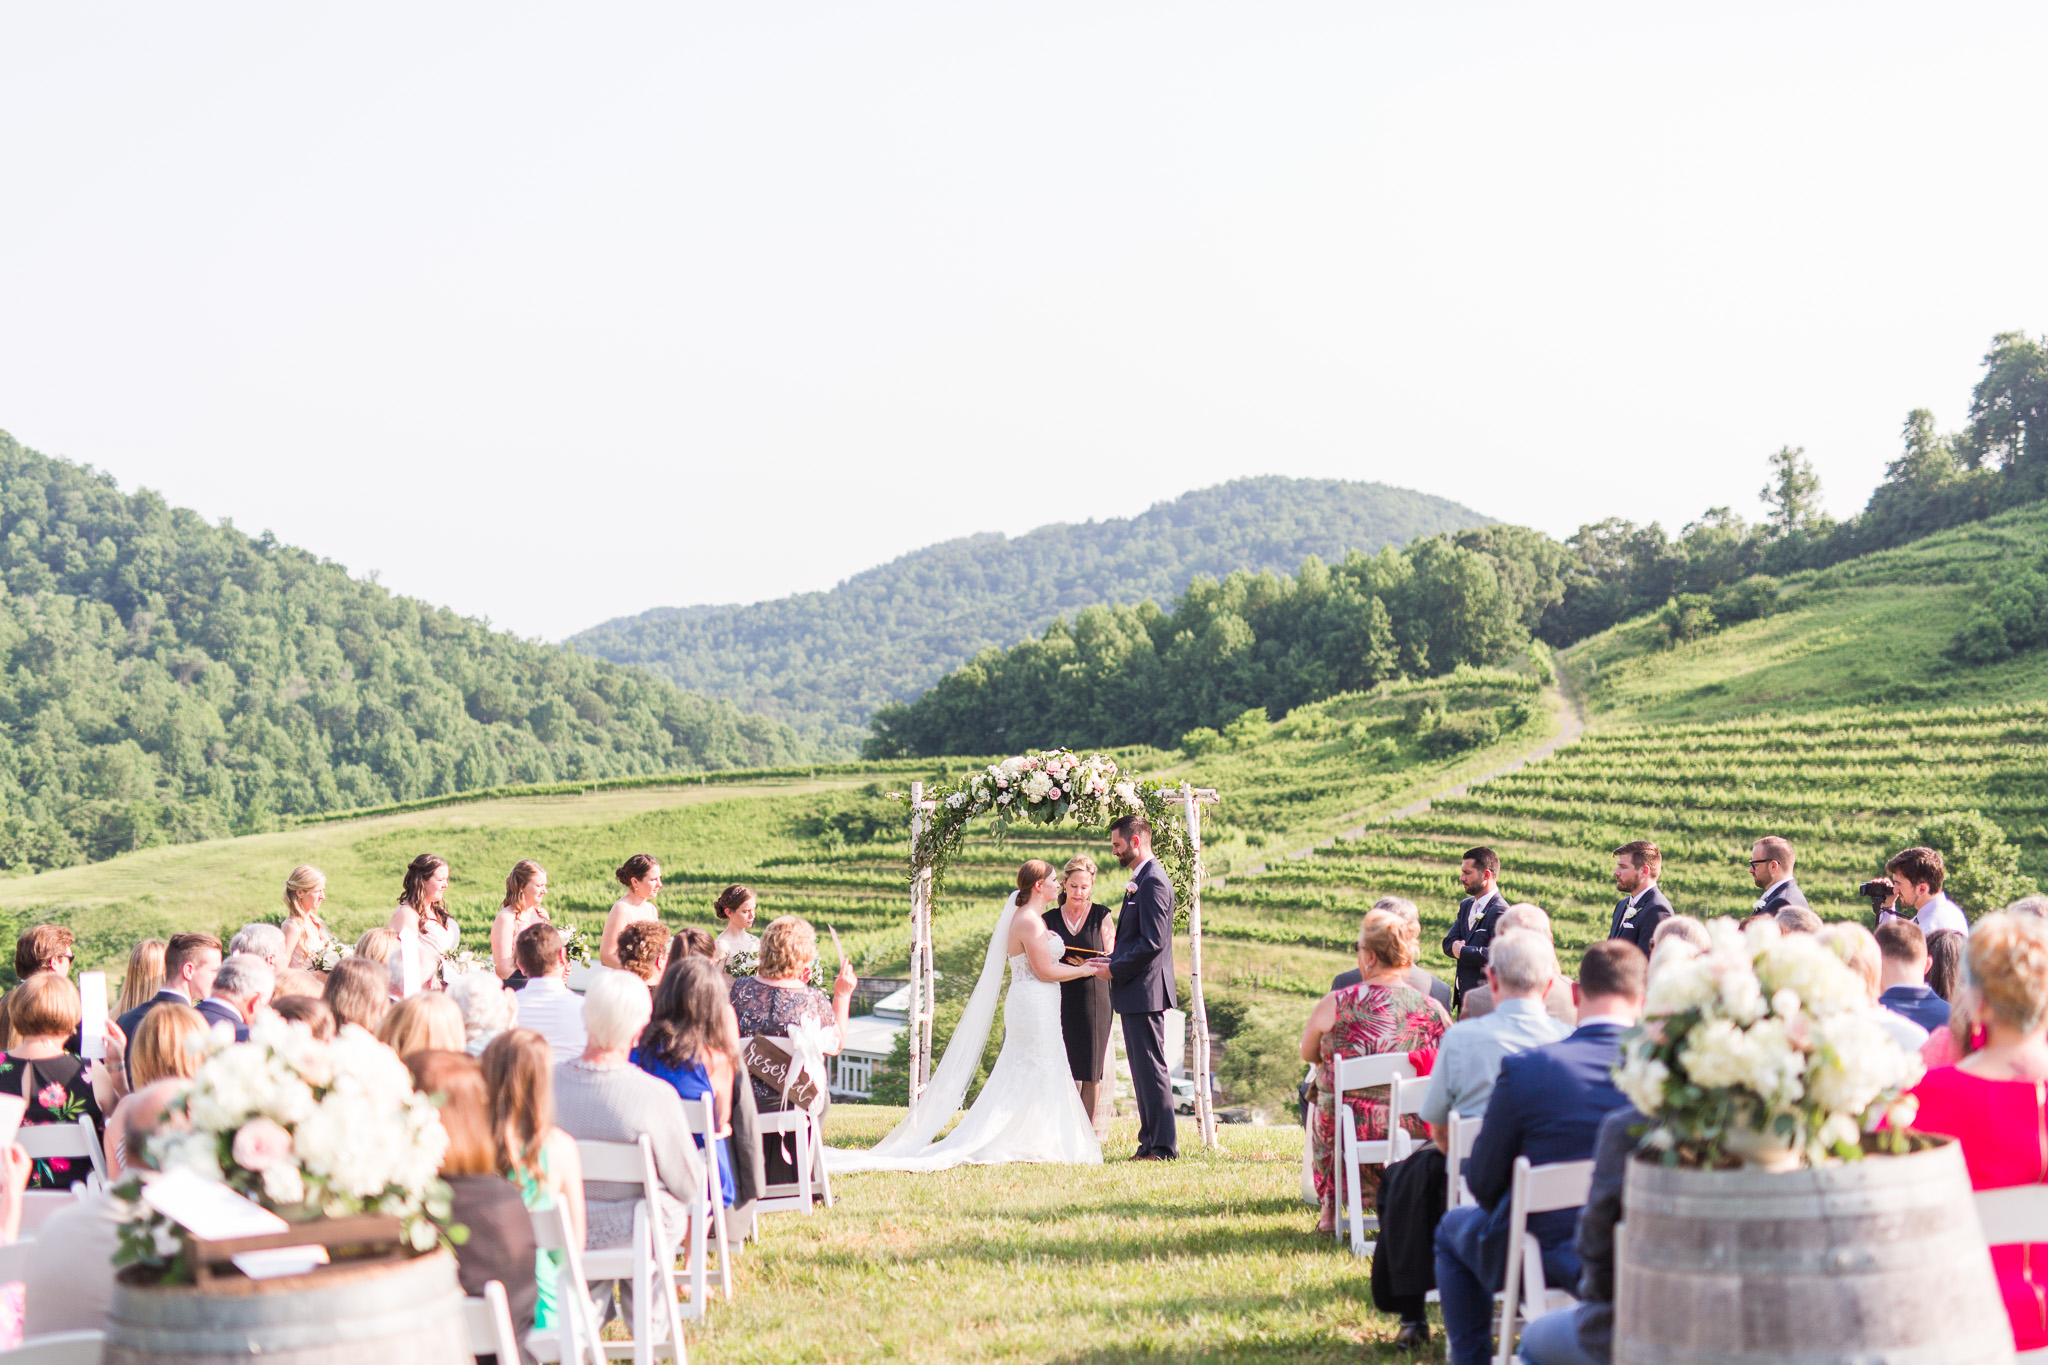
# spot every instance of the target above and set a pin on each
(1210, 1258)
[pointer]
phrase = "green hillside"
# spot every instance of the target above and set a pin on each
(164, 679)
(824, 661)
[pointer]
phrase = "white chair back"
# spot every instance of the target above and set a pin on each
(2016, 1214)
(575, 1340)
(647, 1260)
(68, 1141)
(60, 1348)
(39, 1206)
(1462, 1138)
(1353, 1152)
(703, 1114)
(488, 1319)
(806, 1140)
(1535, 1189)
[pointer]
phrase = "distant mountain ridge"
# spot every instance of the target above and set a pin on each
(824, 661)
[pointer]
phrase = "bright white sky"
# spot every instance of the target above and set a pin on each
(552, 313)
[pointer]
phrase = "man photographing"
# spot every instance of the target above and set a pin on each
(1916, 874)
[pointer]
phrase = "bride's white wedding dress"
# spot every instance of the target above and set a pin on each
(1028, 1109)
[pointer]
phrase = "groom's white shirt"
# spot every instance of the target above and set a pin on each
(1149, 860)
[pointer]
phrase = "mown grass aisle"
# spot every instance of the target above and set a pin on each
(1207, 1258)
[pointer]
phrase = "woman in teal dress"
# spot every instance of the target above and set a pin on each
(535, 1155)
(693, 1043)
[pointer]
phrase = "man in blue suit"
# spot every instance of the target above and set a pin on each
(1477, 920)
(1770, 867)
(241, 987)
(1141, 985)
(190, 960)
(1547, 1106)
(1643, 906)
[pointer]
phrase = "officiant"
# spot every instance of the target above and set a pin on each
(1085, 1013)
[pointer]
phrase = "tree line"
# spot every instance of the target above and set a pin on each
(1132, 674)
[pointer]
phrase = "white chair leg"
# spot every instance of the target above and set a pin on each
(802, 1143)
(643, 1288)
(818, 1162)
(1353, 1179)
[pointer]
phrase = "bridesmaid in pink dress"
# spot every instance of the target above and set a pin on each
(420, 904)
(1995, 1100)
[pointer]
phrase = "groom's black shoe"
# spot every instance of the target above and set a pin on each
(1411, 1336)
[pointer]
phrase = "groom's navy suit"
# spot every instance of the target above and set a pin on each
(1141, 990)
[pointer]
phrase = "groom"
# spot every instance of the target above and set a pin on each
(1141, 984)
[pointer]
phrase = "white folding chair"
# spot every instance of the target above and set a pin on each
(68, 1141)
(1535, 1189)
(59, 1348)
(1354, 1153)
(805, 1143)
(488, 1320)
(1463, 1136)
(574, 1340)
(704, 1124)
(38, 1206)
(646, 1261)
(2018, 1213)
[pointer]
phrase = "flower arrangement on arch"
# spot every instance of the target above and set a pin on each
(1764, 1046)
(306, 1129)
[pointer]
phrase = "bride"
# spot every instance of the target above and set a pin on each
(1028, 1109)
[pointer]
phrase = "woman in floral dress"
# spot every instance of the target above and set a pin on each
(1382, 1013)
(59, 1087)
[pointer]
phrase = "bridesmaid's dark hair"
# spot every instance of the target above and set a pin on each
(1030, 875)
(636, 868)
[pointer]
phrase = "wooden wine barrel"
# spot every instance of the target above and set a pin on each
(1876, 1262)
(388, 1313)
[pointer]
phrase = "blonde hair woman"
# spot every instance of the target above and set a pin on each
(427, 1022)
(524, 887)
(306, 936)
(145, 976)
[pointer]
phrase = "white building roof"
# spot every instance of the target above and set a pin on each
(872, 1036)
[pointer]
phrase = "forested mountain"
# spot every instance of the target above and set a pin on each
(168, 680)
(825, 660)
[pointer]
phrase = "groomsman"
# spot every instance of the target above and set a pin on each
(1642, 906)
(1770, 866)
(1478, 917)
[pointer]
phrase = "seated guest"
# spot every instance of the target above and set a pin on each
(1945, 964)
(145, 975)
(1547, 1105)
(1917, 874)
(1521, 965)
(59, 1087)
(500, 1245)
(546, 1004)
(1557, 996)
(487, 1008)
(40, 948)
(774, 999)
(1435, 987)
(1381, 1014)
(1855, 945)
(1583, 1334)
(693, 1044)
(643, 949)
(1798, 919)
(241, 987)
(1685, 929)
(167, 1047)
(190, 960)
(1990, 1101)
(1902, 976)
(309, 1010)
(600, 1096)
(427, 1022)
(535, 1155)
(68, 1285)
(297, 981)
(2035, 905)
(690, 941)
(377, 945)
(264, 941)
(359, 993)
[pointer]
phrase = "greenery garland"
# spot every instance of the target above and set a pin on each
(1045, 787)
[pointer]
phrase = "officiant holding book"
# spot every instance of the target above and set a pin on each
(1084, 929)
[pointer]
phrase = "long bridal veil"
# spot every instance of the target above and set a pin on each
(948, 1089)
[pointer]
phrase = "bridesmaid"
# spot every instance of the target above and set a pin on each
(306, 936)
(421, 904)
(1084, 1004)
(522, 910)
(641, 876)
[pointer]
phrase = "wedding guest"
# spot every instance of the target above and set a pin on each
(2035, 905)
(1856, 946)
(1382, 1013)
(68, 1285)
(1419, 977)
(1945, 963)
(524, 887)
(644, 949)
(310, 1010)
(546, 1004)
(690, 941)
(167, 1048)
(426, 1022)
(307, 938)
(1085, 1014)
(59, 1087)
(1798, 919)
(1902, 981)
(778, 996)
(261, 941)
(1519, 968)
(500, 1245)
(422, 904)
(1992, 1101)
(241, 988)
(692, 1043)
(535, 1155)
(735, 905)
(40, 948)
(1557, 996)
(297, 981)
(1771, 860)
(1477, 920)
(600, 1096)
(1547, 1104)
(641, 876)
(145, 976)
(1583, 1334)
(488, 1008)
(1685, 929)
(1642, 908)
(190, 960)
(1917, 874)
(359, 993)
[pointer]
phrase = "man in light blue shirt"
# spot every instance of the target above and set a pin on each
(1520, 966)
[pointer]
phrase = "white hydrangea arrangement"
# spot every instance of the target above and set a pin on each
(305, 1128)
(1766, 1043)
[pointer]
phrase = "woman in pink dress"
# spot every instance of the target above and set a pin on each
(421, 904)
(1995, 1100)
(1382, 1013)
